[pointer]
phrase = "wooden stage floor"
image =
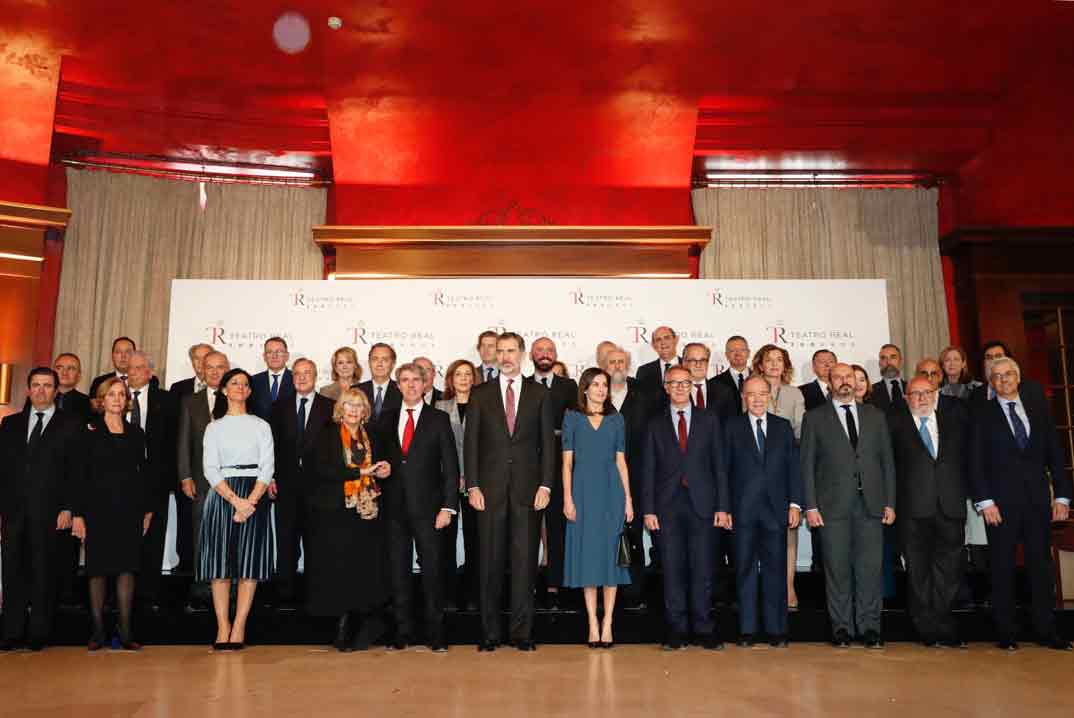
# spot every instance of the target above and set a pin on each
(902, 680)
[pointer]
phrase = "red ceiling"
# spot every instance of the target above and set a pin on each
(555, 111)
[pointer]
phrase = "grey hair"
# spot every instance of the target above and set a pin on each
(145, 355)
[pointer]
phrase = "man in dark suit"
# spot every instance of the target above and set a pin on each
(509, 449)
(891, 388)
(930, 369)
(296, 423)
(848, 482)
(816, 392)
(992, 351)
(183, 519)
(765, 484)
(563, 395)
(419, 501)
(38, 469)
(636, 407)
(273, 384)
(195, 414)
(683, 495)
(68, 398)
(929, 446)
(487, 369)
(665, 343)
(122, 348)
(155, 412)
(380, 388)
(737, 352)
(430, 394)
(1016, 465)
(708, 393)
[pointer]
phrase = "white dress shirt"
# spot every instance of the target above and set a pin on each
(210, 395)
(931, 426)
(841, 412)
(736, 375)
(542, 378)
(48, 413)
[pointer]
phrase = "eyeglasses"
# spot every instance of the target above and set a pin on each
(696, 360)
(679, 384)
(934, 372)
(275, 353)
(1005, 375)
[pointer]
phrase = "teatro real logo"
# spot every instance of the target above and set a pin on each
(443, 300)
(723, 300)
(301, 301)
(836, 339)
(580, 298)
(221, 336)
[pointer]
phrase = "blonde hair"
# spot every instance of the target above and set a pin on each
(354, 358)
(97, 403)
(352, 396)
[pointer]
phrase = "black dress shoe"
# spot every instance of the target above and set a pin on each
(873, 640)
(746, 640)
(36, 645)
(676, 642)
(526, 645)
(930, 642)
(401, 643)
(438, 647)
(343, 632)
(221, 646)
(953, 642)
(8, 645)
(841, 639)
(487, 646)
(1007, 644)
(778, 641)
(712, 642)
(1057, 643)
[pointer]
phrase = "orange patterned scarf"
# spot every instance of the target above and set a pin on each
(361, 493)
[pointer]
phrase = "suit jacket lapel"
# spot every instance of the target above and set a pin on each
(1001, 416)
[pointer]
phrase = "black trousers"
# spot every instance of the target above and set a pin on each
(521, 545)
(152, 558)
(290, 522)
(1030, 526)
(933, 549)
(184, 531)
(68, 553)
(555, 525)
(761, 576)
(449, 570)
(30, 549)
(404, 532)
(471, 543)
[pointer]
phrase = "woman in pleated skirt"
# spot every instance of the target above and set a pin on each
(236, 528)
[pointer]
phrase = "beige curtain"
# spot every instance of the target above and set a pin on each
(829, 233)
(131, 235)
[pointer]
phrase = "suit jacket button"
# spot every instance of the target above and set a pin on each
(510, 461)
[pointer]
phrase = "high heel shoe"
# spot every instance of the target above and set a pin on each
(594, 644)
(607, 644)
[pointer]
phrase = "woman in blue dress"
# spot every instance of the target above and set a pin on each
(596, 499)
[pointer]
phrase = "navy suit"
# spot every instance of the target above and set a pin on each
(685, 490)
(762, 488)
(261, 392)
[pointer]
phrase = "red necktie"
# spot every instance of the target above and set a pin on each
(408, 431)
(700, 402)
(509, 409)
(682, 441)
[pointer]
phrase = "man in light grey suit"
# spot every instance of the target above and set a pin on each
(848, 477)
(195, 413)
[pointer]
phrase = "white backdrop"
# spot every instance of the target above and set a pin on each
(441, 318)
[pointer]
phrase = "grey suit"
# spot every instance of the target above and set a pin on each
(193, 418)
(850, 487)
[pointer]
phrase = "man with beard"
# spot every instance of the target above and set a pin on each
(563, 393)
(889, 391)
(848, 481)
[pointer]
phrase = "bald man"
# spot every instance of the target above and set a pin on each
(665, 343)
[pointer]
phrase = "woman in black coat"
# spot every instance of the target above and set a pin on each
(112, 507)
(346, 552)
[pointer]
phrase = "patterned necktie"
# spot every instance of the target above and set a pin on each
(136, 410)
(509, 408)
(760, 437)
(274, 391)
(1020, 436)
(378, 402)
(408, 431)
(682, 443)
(926, 438)
(700, 401)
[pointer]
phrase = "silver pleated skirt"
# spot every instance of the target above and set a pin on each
(234, 550)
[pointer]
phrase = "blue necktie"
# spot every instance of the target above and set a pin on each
(760, 438)
(926, 437)
(275, 390)
(1020, 436)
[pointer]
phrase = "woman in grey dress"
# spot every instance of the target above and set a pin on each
(236, 532)
(787, 401)
(596, 499)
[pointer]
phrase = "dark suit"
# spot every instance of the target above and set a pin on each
(762, 489)
(423, 481)
(161, 423)
(36, 484)
(1029, 389)
(509, 469)
(721, 399)
(881, 398)
(636, 410)
(392, 400)
(194, 417)
(97, 381)
(1018, 481)
(813, 394)
(686, 512)
(261, 392)
(651, 375)
(76, 403)
(291, 483)
(850, 487)
(437, 396)
(932, 515)
(183, 512)
(562, 395)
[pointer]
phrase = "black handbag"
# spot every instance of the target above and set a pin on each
(623, 557)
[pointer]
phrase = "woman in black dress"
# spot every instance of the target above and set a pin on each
(346, 567)
(112, 508)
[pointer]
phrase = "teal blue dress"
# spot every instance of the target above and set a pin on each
(599, 502)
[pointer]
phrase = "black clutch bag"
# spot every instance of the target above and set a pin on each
(623, 558)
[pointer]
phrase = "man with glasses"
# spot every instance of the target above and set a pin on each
(930, 369)
(683, 495)
(707, 393)
(275, 383)
(1016, 466)
(737, 352)
(928, 442)
(665, 343)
